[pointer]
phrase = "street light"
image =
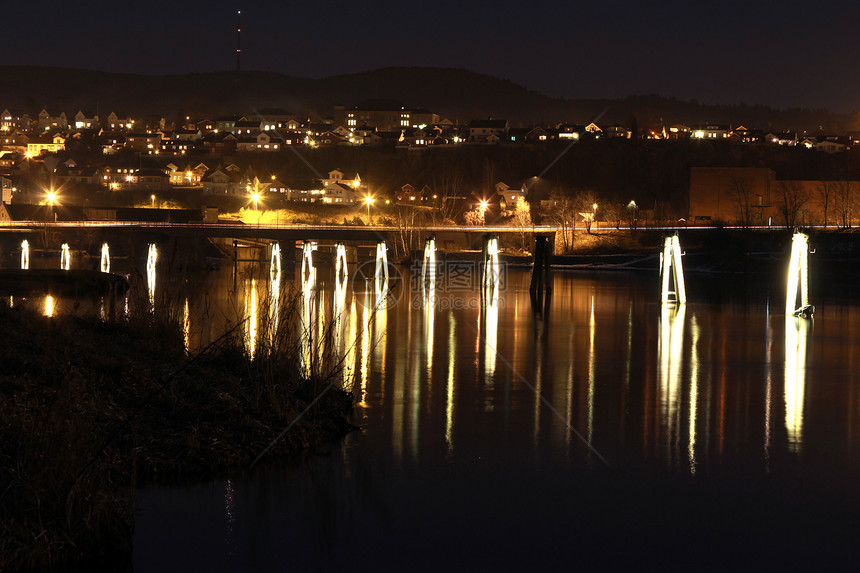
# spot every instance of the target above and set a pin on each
(51, 196)
(152, 199)
(368, 200)
(255, 197)
(484, 204)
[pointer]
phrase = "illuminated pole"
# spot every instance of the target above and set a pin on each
(368, 200)
(798, 276)
(484, 212)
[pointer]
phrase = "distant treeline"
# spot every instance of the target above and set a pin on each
(455, 94)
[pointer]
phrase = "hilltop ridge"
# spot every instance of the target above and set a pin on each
(454, 93)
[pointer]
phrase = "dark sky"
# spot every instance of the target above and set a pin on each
(778, 53)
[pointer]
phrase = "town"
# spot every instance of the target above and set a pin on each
(368, 160)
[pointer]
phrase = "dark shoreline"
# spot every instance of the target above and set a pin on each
(90, 410)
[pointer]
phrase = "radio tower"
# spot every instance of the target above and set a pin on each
(239, 41)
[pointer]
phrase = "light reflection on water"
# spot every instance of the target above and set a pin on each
(492, 389)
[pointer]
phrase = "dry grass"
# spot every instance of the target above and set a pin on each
(89, 409)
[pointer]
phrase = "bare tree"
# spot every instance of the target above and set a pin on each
(743, 200)
(824, 197)
(844, 203)
(522, 220)
(586, 206)
(563, 215)
(615, 212)
(632, 213)
(791, 201)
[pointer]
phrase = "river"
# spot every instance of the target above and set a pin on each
(599, 430)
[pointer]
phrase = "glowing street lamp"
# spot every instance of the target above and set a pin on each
(484, 204)
(152, 200)
(51, 196)
(367, 201)
(255, 197)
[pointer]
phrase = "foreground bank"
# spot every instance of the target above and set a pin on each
(90, 409)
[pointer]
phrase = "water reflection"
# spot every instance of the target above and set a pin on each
(695, 402)
(186, 326)
(308, 282)
(251, 317)
(273, 317)
(490, 327)
(670, 351)
(796, 345)
(449, 395)
(694, 393)
(49, 305)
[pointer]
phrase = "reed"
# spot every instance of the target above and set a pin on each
(89, 410)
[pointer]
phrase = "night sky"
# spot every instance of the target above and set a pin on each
(777, 53)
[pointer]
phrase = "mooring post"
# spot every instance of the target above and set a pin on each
(549, 251)
(536, 285)
(541, 272)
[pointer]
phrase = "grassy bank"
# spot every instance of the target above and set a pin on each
(90, 409)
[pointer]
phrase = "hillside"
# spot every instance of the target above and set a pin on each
(453, 93)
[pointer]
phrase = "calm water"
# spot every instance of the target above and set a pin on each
(602, 430)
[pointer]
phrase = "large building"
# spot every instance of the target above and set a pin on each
(754, 196)
(384, 115)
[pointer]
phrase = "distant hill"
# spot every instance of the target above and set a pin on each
(453, 93)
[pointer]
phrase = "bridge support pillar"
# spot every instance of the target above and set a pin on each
(798, 278)
(490, 262)
(428, 268)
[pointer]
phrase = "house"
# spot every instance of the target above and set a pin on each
(510, 196)
(227, 123)
(86, 120)
(339, 193)
(205, 126)
(616, 131)
(176, 146)
(261, 141)
(480, 130)
(229, 180)
(143, 142)
(188, 134)
(833, 145)
(117, 123)
(247, 127)
(13, 120)
(5, 189)
(142, 179)
(712, 131)
(679, 131)
(45, 144)
(742, 134)
(47, 122)
(188, 177)
(537, 135)
(570, 131)
(220, 142)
